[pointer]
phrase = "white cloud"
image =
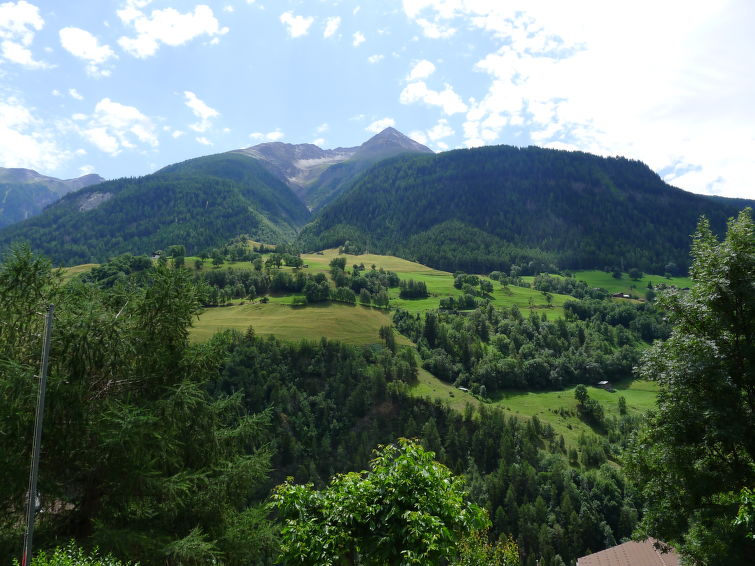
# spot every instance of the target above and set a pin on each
(17, 53)
(228, 8)
(26, 140)
(421, 70)
(203, 140)
(680, 99)
(113, 127)
(440, 130)
(319, 142)
(331, 26)
(322, 128)
(82, 44)
(201, 111)
(86, 170)
(450, 102)
(56, 92)
(433, 30)
(359, 39)
(379, 125)
(443, 11)
(275, 135)
(177, 134)
(296, 26)
(418, 136)
(375, 58)
(19, 22)
(168, 26)
(75, 94)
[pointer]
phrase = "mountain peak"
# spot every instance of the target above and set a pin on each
(391, 141)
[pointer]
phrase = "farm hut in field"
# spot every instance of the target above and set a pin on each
(604, 384)
(621, 296)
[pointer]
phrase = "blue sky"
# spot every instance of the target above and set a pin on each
(123, 87)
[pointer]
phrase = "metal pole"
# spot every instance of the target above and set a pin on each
(32, 504)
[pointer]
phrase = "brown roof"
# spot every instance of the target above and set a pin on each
(631, 554)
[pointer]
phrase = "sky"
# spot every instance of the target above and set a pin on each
(125, 87)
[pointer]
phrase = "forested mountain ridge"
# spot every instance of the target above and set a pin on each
(198, 203)
(24, 192)
(489, 208)
(474, 210)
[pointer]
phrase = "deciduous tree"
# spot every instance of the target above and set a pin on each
(697, 452)
(407, 509)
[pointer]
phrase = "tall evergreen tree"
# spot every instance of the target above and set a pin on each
(137, 457)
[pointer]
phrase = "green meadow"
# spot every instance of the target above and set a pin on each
(348, 323)
(69, 273)
(439, 284)
(557, 408)
(596, 278)
(359, 325)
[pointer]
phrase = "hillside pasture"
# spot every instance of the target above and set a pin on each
(557, 408)
(596, 278)
(69, 273)
(439, 284)
(348, 323)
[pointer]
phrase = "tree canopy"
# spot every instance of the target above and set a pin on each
(407, 509)
(697, 453)
(137, 456)
(489, 208)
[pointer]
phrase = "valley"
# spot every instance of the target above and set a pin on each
(360, 325)
(289, 309)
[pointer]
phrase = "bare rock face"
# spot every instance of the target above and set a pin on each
(387, 143)
(90, 201)
(301, 165)
(25, 193)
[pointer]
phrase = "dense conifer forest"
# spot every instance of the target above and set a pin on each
(200, 203)
(474, 210)
(489, 208)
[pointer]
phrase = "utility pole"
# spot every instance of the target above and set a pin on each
(31, 508)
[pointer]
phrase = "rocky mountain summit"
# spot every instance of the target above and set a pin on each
(24, 192)
(302, 166)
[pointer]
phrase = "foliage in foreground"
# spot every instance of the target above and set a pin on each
(138, 458)
(72, 555)
(696, 454)
(407, 509)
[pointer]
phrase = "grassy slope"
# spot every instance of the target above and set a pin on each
(71, 272)
(335, 321)
(595, 278)
(640, 397)
(439, 283)
(359, 325)
(546, 405)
